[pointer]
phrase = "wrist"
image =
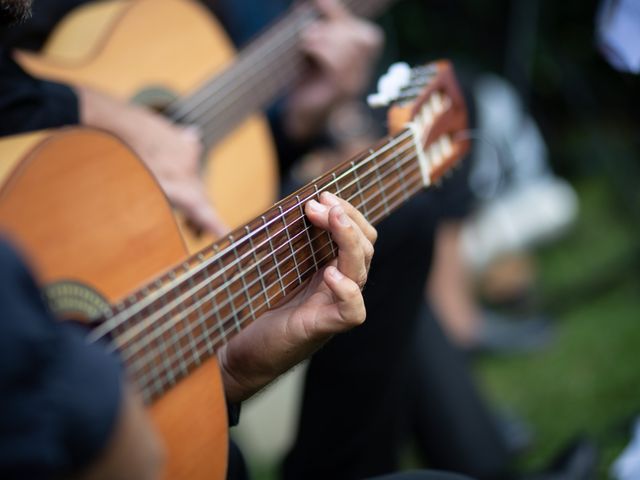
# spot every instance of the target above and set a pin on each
(237, 386)
(107, 113)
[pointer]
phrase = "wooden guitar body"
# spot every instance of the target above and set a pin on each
(91, 220)
(101, 237)
(152, 51)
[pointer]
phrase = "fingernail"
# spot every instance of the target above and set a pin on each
(335, 273)
(316, 207)
(330, 198)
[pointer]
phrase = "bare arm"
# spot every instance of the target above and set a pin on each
(330, 303)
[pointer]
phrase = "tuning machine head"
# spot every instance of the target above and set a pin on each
(401, 84)
(390, 85)
(427, 99)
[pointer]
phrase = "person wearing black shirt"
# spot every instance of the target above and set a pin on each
(369, 368)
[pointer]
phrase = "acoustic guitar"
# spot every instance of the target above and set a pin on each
(99, 235)
(172, 55)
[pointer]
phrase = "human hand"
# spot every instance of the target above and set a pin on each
(343, 49)
(330, 303)
(172, 153)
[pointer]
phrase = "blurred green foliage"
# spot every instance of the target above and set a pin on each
(589, 381)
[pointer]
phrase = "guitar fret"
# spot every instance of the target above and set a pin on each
(336, 183)
(214, 303)
(293, 253)
(227, 287)
(165, 349)
(257, 263)
(145, 368)
(154, 375)
(245, 288)
(325, 233)
(313, 253)
(401, 178)
(363, 203)
(202, 318)
(381, 185)
(198, 322)
(177, 347)
(273, 254)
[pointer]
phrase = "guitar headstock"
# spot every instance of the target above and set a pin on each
(427, 99)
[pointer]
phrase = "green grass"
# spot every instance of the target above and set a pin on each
(588, 381)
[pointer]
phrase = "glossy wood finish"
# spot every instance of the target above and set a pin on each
(188, 47)
(82, 207)
(13, 149)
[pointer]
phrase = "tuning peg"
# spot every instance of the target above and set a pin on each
(390, 84)
(377, 100)
(401, 71)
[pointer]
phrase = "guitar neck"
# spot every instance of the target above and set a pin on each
(170, 327)
(261, 72)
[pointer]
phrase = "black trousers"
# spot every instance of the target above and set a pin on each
(358, 409)
(422, 475)
(450, 423)
(351, 425)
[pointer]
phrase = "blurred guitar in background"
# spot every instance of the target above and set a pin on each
(173, 55)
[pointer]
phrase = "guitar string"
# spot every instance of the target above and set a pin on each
(223, 116)
(222, 325)
(374, 155)
(158, 379)
(155, 374)
(192, 327)
(214, 122)
(207, 282)
(272, 40)
(270, 236)
(217, 117)
(239, 275)
(290, 25)
(252, 57)
(131, 310)
(212, 344)
(232, 86)
(125, 314)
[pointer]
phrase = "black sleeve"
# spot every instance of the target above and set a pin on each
(28, 104)
(60, 396)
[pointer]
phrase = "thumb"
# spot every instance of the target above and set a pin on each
(207, 218)
(198, 208)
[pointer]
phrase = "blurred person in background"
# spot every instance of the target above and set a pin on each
(351, 371)
(518, 203)
(618, 39)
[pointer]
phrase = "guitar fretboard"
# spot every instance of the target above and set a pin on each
(169, 328)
